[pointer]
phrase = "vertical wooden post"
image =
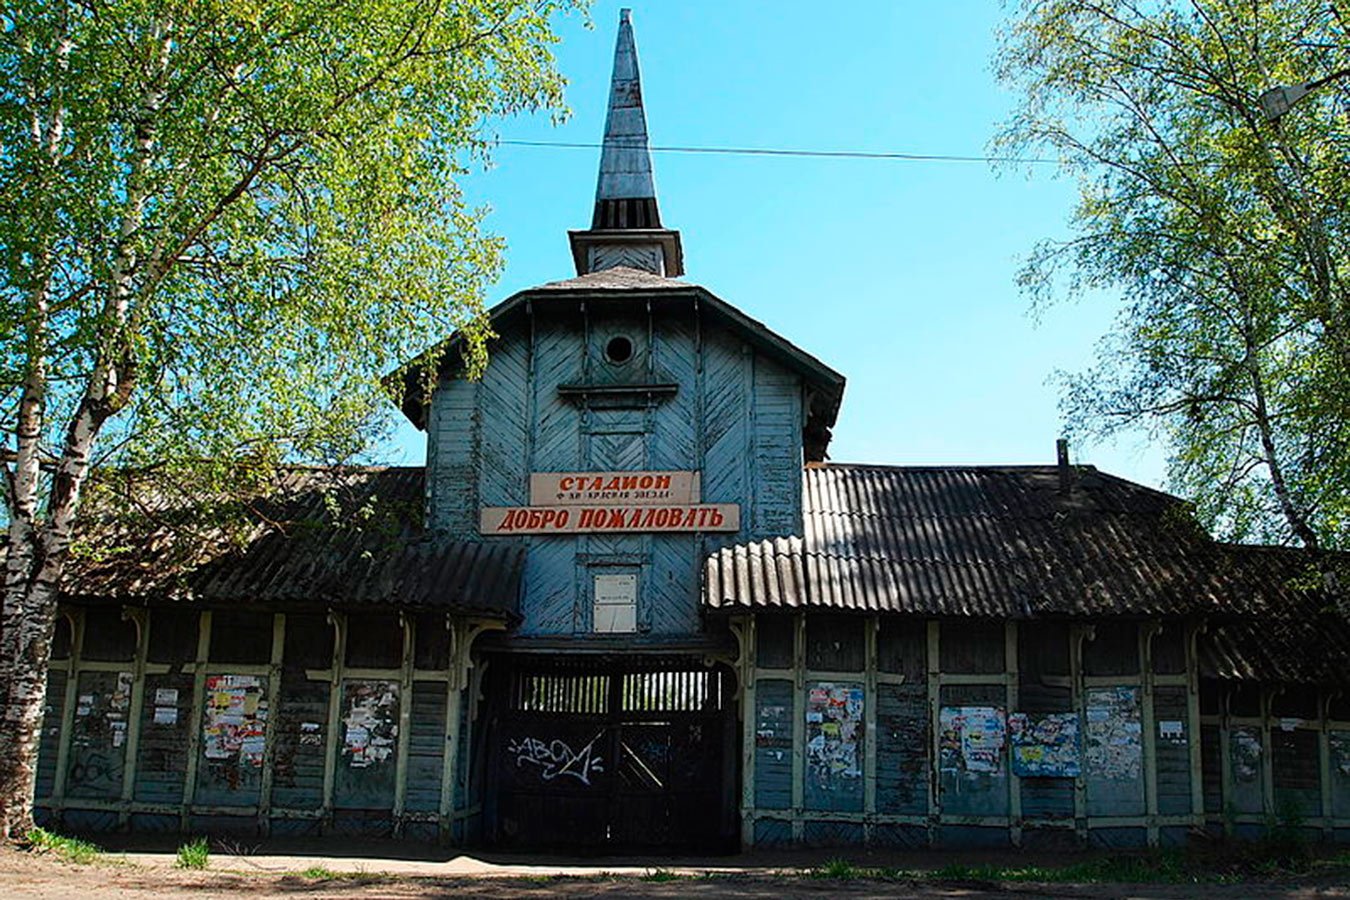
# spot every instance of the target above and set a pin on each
(746, 634)
(68, 711)
(141, 618)
(871, 626)
(1147, 632)
(1324, 764)
(273, 721)
(1193, 727)
(1225, 761)
(1077, 635)
(798, 727)
(934, 686)
(1267, 754)
(454, 686)
(339, 622)
(195, 717)
(1011, 667)
(405, 704)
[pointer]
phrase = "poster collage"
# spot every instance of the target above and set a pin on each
(1046, 745)
(834, 733)
(234, 726)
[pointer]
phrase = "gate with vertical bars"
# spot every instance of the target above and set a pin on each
(612, 756)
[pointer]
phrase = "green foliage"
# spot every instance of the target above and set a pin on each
(246, 213)
(837, 868)
(66, 848)
(659, 875)
(195, 854)
(1225, 235)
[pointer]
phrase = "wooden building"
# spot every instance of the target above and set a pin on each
(628, 605)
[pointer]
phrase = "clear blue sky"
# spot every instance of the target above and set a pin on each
(898, 274)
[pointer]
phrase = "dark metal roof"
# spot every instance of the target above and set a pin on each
(1006, 542)
(974, 541)
(340, 536)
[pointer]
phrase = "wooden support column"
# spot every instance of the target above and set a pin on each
(273, 722)
(1193, 727)
(76, 619)
(1011, 667)
(195, 717)
(871, 626)
(339, 622)
(405, 704)
(798, 727)
(141, 617)
(1324, 763)
(746, 639)
(934, 685)
(455, 682)
(1225, 760)
(1147, 632)
(1267, 757)
(1077, 635)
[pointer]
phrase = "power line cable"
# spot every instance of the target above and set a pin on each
(774, 151)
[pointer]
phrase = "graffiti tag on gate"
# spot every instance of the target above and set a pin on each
(555, 758)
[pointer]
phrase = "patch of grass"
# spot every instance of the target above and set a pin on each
(660, 875)
(839, 869)
(69, 849)
(319, 873)
(193, 855)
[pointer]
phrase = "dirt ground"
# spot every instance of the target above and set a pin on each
(241, 873)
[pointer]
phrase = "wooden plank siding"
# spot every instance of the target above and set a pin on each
(160, 773)
(1212, 784)
(736, 418)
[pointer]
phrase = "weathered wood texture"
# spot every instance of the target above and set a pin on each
(736, 418)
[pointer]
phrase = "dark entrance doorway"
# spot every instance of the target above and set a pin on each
(611, 756)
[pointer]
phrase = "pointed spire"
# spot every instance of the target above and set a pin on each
(625, 195)
(626, 226)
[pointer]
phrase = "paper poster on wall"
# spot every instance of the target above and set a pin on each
(1114, 748)
(972, 739)
(1340, 751)
(235, 719)
(834, 733)
(166, 696)
(370, 725)
(1045, 745)
(773, 730)
(166, 715)
(1245, 753)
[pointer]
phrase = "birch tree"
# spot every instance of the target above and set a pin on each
(1224, 234)
(220, 222)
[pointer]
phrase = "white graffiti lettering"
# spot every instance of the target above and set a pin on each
(555, 758)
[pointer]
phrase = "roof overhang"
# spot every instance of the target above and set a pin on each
(825, 385)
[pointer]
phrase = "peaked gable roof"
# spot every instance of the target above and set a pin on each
(826, 386)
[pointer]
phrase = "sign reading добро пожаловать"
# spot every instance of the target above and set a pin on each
(577, 502)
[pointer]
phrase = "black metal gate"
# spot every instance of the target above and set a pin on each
(616, 757)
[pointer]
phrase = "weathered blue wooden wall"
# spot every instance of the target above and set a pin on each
(736, 418)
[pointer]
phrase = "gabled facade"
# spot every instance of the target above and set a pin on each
(628, 605)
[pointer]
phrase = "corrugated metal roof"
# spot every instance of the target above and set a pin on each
(326, 536)
(991, 541)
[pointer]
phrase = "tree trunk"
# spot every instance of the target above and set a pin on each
(29, 620)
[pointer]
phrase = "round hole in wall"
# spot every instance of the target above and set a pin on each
(619, 350)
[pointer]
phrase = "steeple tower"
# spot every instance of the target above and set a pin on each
(626, 227)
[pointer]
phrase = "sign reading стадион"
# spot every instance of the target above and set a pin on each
(627, 488)
(501, 520)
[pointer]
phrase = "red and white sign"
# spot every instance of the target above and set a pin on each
(626, 488)
(627, 517)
